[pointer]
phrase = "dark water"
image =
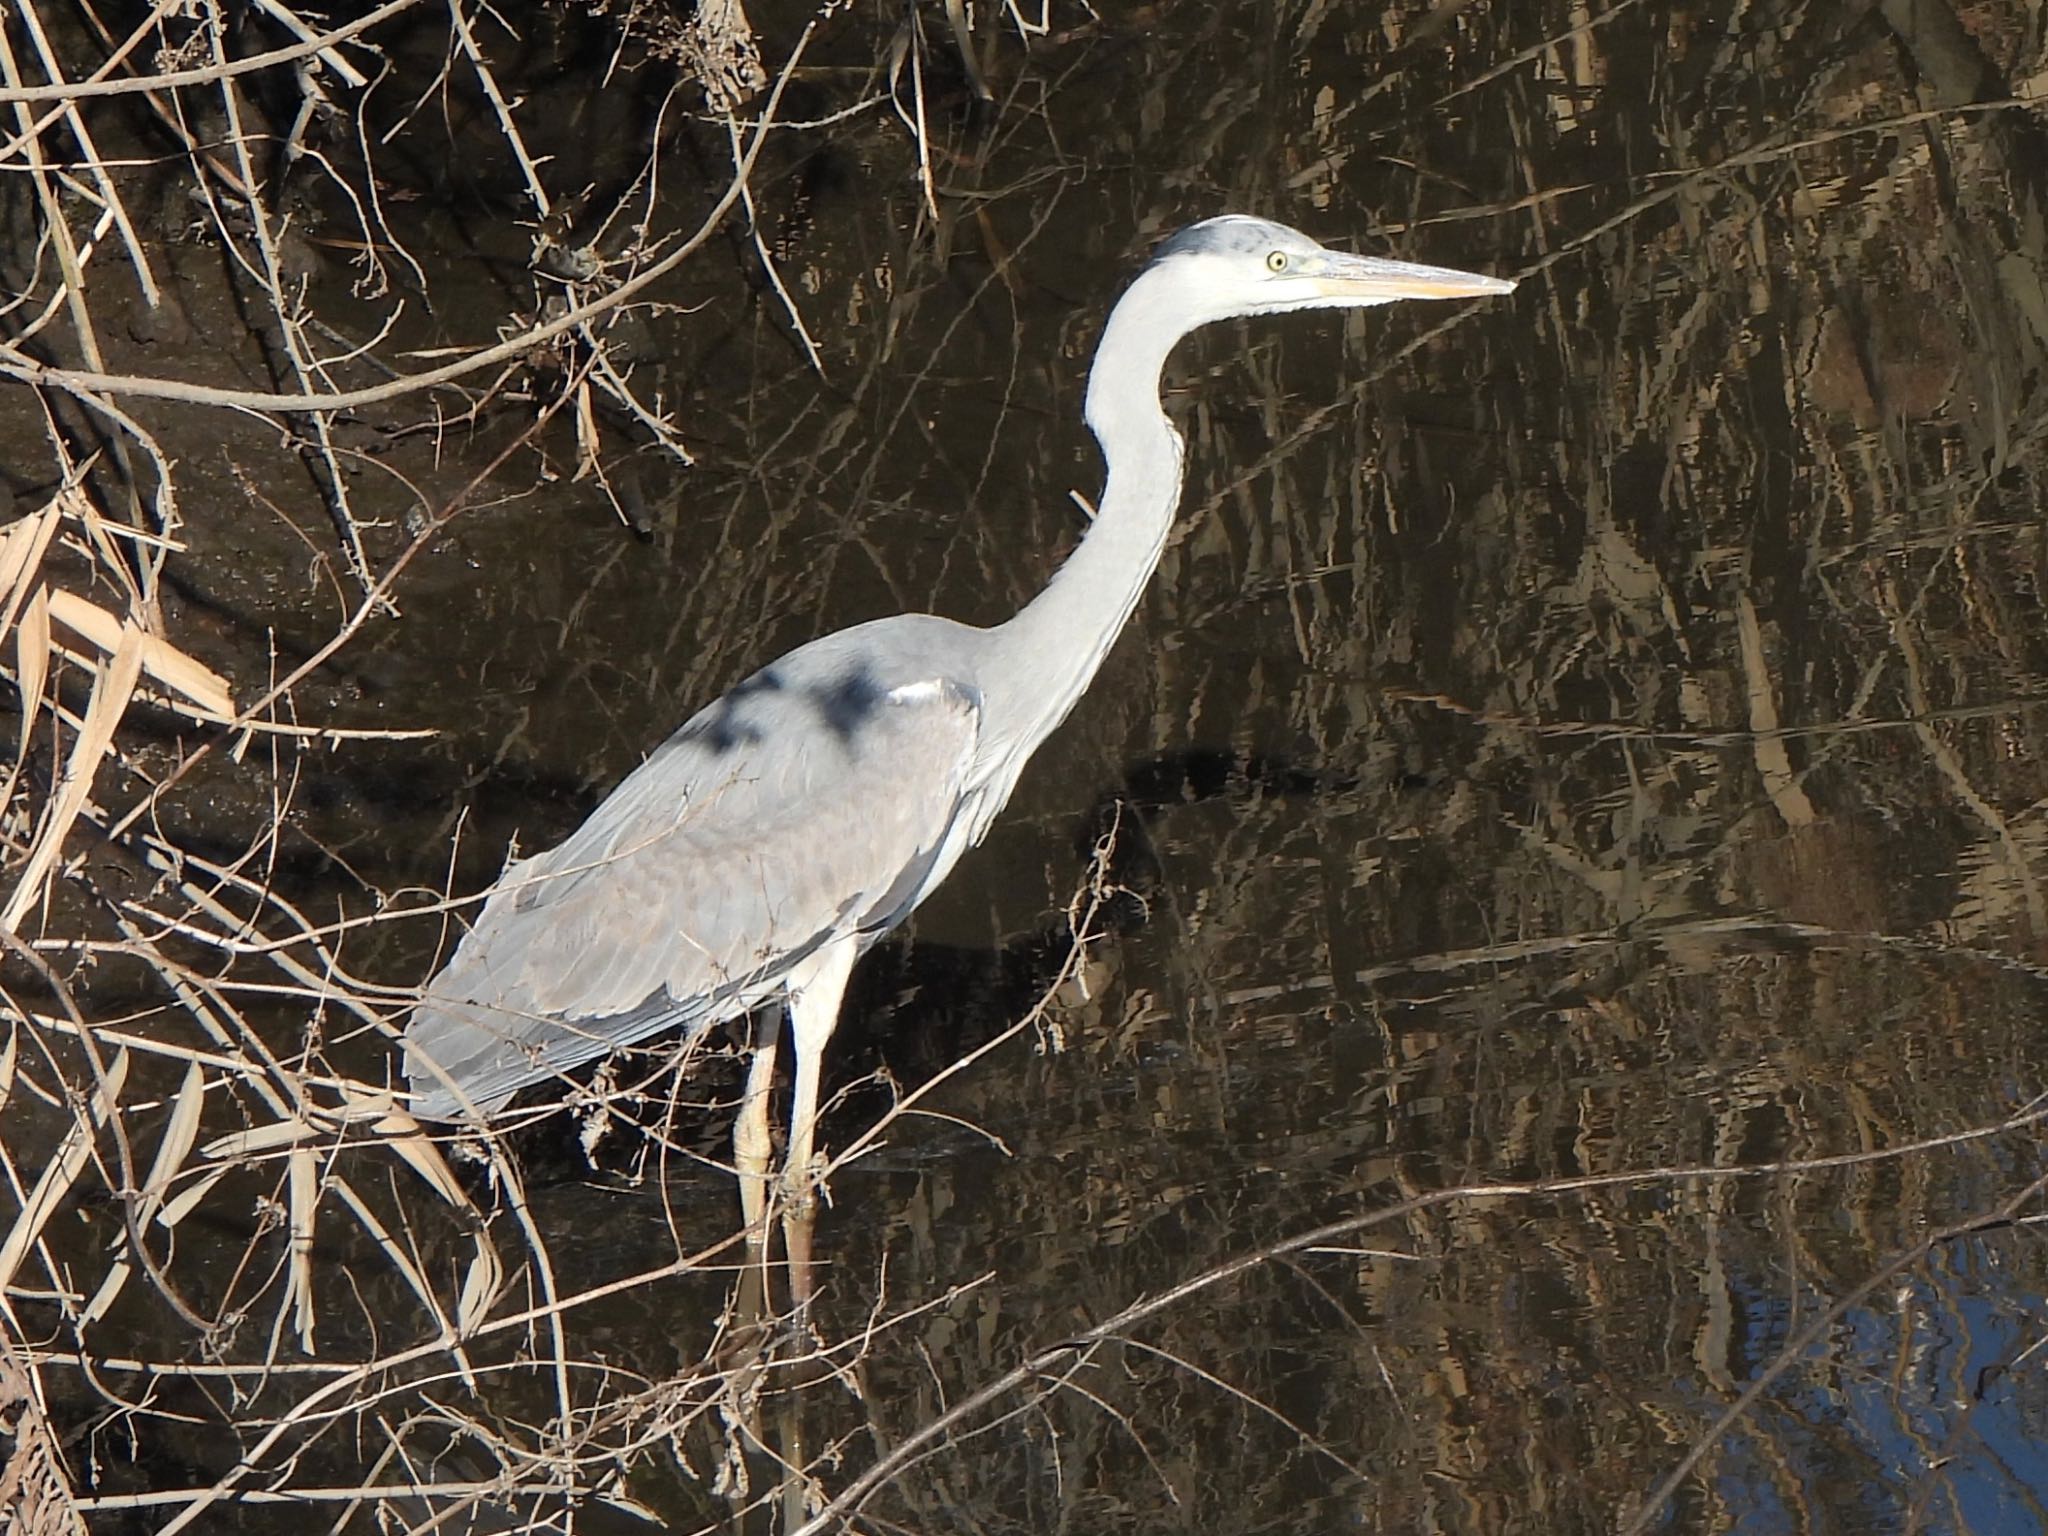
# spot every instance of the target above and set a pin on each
(1582, 750)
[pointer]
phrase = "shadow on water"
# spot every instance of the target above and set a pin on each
(1558, 1025)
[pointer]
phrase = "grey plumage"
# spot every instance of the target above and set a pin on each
(822, 797)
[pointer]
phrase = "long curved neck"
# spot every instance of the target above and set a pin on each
(1047, 655)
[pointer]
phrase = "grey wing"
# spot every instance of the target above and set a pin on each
(746, 842)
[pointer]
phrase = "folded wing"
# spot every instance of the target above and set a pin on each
(797, 810)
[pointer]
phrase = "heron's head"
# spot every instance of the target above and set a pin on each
(1239, 265)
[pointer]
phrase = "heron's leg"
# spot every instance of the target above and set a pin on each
(753, 1145)
(815, 989)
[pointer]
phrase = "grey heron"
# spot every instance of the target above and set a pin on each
(790, 824)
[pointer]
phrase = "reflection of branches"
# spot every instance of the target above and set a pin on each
(1057, 1361)
(1795, 1349)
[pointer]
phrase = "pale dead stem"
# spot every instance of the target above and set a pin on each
(652, 1417)
(535, 189)
(71, 297)
(108, 198)
(1253, 1401)
(287, 328)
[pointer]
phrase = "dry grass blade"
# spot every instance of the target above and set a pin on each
(427, 1162)
(264, 1138)
(480, 1287)
(21, 554)
(162, 660)
(103, 1299)
(304, 1198)
(111, 692)
(61, 1173)
(179, 1134)
(179, 1207)
(402, 1262)
(32, 666)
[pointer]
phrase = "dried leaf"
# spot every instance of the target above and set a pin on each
(480, 1287)
(179, 1135)
(303, 1191)
(60, 1174)
(110, 695)
(109, 1292)
(428, 1163)
(31, 665)
(21, 553)
(162, 660)
(177, 1209)
(265, 1138)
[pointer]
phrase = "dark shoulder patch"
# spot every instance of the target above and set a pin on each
(848, 702)
(722, 724)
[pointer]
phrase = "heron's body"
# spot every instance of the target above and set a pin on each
(815, 804)
(794, 821)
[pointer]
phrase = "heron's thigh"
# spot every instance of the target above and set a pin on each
(816, 984)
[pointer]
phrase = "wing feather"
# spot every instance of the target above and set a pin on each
(772, 823)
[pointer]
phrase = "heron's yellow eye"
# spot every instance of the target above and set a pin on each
(1276, 261)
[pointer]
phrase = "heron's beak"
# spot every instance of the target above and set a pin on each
(1370, 280)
